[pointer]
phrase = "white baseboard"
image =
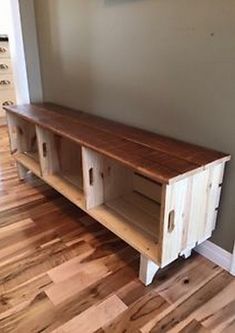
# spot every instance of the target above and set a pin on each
(232, 270)
(219, 256)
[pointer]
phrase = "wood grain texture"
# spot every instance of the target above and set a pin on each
(160, 218)
(160, 158)
(99, 315)
(47, 244)
(194, 327)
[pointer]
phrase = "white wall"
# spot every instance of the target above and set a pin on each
(4, 16)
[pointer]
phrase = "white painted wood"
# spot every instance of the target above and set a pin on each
(7, 91)
(24, 51)
(18, 54)
(5, 51)
(4, 19)
(30, 41)
(148, 270)
(186, 253)
(216, 254)
(232, 268)
(205, 238)
(6, 82)
(7, 68)
(22, 171)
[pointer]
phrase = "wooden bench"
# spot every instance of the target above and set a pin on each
(158, 194)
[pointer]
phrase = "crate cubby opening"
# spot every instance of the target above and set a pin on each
(126, 202)
(24, 145)
(61, 165)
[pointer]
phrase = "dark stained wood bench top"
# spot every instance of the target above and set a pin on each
(163, 159)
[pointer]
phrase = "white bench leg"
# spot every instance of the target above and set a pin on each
(148, 269)
(186, 254)
(22, 171)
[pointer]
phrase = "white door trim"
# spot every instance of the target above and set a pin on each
(24, 51)
(18, 54)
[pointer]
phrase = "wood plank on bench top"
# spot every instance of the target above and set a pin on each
(162, 159)
(187, 151)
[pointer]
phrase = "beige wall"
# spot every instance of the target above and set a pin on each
(164, 65)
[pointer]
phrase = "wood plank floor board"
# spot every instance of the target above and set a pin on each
(76, 277)
(24, 292)
(89, 257)
(96, 316)
(62, 272)
(39, 261)
(182, 310)
(230, 327)
(193, 274)
(37, 209)
(20, 227)
(194, 327)
(218, 313)
(137, 314)
(172, 282)
(32, 316)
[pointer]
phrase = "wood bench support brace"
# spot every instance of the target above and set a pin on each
(148, 270)
(22, 171)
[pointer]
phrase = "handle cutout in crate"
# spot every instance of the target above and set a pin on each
(20, 130)
(171, 221)
(44, 149)
(91, 177)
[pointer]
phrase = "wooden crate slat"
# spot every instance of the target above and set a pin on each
(189, 152)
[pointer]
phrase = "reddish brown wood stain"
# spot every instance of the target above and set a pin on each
(163, 159)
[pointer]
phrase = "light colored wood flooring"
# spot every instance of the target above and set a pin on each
(62, 272)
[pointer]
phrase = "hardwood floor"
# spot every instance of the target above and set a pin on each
(62, 272)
